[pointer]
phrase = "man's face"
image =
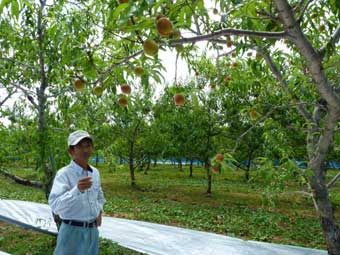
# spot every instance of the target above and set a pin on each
(82, 151)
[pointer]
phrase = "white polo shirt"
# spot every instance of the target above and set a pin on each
(68, 202)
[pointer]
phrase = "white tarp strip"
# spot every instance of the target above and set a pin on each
(150, 238)
(4, 253)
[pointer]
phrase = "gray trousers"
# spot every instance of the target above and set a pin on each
(73, 240)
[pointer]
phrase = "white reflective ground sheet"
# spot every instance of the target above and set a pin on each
(150, 238)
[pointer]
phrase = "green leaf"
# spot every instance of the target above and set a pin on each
(89, 70)
(15, 9)
(53, 30)
(329, 50)
(144, 24)
(118, 10)
(188, 16)
(156, 77)
(200, 5)
(3, 4)
(181, 16)
(28, 4)
(194, 100)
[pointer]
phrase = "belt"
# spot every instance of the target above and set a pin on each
(83, 224)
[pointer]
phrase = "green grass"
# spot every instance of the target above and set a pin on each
(165, 195)
(16, 240)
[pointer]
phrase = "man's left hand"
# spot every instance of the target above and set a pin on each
(99, 219)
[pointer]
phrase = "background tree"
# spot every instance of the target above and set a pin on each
(47, 46)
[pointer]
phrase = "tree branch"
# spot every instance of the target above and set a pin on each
(43, 79)
(312, 57)
(304, 9)
(27, 94)
(228, 31)
(253, 126)
(237, 164)
(275, 70)
(333, 40)
(226, 53)
(20, 63)
(195, 19)
(333, 181)
(325, 139)
(7, 97)
(109, 69)
(267, 14)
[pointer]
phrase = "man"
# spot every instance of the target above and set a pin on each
(77, 198)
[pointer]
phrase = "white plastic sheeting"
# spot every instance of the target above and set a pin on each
(150, 238)
(4, 253)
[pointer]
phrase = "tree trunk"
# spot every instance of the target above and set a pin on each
(97, 159)
(180, 165)
(148, 164)
(247, 173)
(208, 152)
(27, 162)
(131, 166)
(317, 145)
(326, 215)
(318, 150)
(112, 167)
(42, 130)
(50, 171)
(141, 166)
(191, 163)
(207, 168)
(250, 154)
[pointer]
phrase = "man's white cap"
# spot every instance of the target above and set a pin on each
(75, 137)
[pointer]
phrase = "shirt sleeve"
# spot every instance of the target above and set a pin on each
(101, 198)
(62, 196)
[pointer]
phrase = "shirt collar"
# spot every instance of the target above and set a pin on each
(78, 168)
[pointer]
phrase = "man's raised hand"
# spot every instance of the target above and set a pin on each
(85, 183)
